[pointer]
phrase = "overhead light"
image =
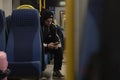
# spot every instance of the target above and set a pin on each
(62, 3)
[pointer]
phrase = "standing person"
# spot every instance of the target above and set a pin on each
(51, 41)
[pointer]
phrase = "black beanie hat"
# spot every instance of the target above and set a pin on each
(46, 14)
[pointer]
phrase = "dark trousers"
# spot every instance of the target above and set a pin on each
(58, 57)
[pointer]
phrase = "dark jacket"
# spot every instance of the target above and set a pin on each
(50, 34)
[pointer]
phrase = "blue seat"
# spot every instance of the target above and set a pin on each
(47, 58)
(8, 23)
(2, 31)
(90, 43)
(24, 47)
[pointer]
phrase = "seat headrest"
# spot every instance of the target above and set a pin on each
(25, 17)
(25, 6)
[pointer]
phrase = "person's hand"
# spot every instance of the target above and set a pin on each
(51, 45)
(56, 44)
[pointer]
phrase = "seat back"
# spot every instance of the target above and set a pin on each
(8, 23)
(2, 31)
(24, 47)
(24, 40)
(88, 60)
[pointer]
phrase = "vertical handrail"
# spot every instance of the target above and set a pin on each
(70, 75)
(40, 5)
(44, 4)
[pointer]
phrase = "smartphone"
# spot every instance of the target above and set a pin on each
(56, 43)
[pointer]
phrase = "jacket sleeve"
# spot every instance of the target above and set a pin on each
(61, 36)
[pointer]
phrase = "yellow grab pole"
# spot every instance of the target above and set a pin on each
(70, 75)
(44, 4)
(40, 5)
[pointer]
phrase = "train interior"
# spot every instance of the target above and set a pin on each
(14, 14)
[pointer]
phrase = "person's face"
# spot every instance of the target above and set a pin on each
(48, 21)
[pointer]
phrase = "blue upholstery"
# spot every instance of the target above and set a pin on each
(47, 58)
(8, 22)
(2, 31)
(24, 46)
(91, 37)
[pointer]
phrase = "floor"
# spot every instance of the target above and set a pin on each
(49, 70)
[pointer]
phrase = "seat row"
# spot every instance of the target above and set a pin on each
(23, 44)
